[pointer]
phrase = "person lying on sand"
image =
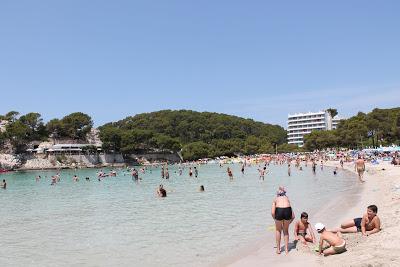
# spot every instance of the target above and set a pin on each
(336, 242)
(300, 230)
(369, 224)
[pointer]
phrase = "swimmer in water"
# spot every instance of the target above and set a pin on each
(230, 174)
(161, 192)
(53, 180)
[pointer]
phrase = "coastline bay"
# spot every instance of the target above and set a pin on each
(118, 222)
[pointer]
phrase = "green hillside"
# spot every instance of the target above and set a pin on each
(198, 134)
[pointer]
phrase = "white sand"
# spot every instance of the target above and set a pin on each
(382, 249)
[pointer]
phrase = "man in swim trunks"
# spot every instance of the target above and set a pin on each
(336, 242)
(360, 168)
(300, 230)
(369, 224)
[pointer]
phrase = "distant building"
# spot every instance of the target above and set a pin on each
(300, 124)
(64, 148)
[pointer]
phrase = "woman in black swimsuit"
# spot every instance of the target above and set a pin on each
(283, 215)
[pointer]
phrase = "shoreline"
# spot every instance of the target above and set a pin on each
(361, 250)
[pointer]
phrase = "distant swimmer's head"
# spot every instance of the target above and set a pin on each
(319, 227)
(201, 188)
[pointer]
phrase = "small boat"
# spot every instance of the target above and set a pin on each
(3, 170)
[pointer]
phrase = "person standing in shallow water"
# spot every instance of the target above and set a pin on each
(180, 170)
(4, 184)
(313, 165)
(283, 215)
(230, 174)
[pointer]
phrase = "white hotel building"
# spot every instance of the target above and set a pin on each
(300, 124)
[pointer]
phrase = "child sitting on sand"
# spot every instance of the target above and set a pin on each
(300, 230)
(336, 242)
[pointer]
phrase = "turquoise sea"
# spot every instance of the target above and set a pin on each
(117, 222)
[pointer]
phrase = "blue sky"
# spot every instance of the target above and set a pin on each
(255, 59)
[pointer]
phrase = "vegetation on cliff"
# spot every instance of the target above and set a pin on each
(20, 130)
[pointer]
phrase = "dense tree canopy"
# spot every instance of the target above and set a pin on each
(198, 134)
(20, 130)
(379, 127)
(75, 126)
(23, 129)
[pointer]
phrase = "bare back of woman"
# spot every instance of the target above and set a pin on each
(283, 215)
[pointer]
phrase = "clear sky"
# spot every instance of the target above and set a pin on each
(255, 59)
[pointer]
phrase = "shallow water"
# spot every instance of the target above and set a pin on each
(119, 222)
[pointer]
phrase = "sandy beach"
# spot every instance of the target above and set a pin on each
(382, 188)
